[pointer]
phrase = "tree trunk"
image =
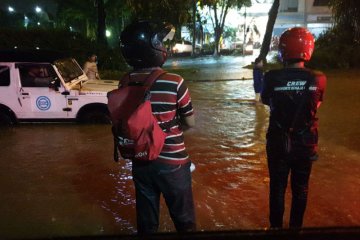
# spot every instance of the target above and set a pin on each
(217, 41)
(194, 28)
(219, 25)
(216, 25)
(269, 30)
(101, 34)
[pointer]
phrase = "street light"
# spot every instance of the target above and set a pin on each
(108, 33)
(38, 9)
(26, 21)
(11, 9)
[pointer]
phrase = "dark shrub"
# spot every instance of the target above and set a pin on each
(70, 43)
(334, 49)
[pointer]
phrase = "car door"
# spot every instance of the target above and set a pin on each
(37, 99)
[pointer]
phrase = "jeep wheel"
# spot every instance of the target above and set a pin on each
(95, 116)
(5, 119)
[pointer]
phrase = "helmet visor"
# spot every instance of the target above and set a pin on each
(170, 34)
(166, 31)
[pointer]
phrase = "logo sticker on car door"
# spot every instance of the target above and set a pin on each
(43, 103)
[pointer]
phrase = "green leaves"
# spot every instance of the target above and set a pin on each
(220, 10)
(347, 17)
(174, 11)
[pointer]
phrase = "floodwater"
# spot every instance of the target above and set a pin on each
(60, 179)
(210, 68)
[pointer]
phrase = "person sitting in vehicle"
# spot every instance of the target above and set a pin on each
(35, 76)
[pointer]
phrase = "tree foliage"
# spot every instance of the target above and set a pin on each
(175, 11)
(337, 47)
(347, 18)
(93, 16)
(220, 10)
(80, 15)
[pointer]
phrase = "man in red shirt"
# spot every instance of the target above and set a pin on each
(142, 48)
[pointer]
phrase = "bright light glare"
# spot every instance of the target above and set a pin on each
(249, 47)
(11, 9)
(38, 9)
(179, 48)
(108, 33)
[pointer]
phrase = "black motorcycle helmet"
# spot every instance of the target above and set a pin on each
(141, 43)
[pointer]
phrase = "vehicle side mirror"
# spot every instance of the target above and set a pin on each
(55, 84)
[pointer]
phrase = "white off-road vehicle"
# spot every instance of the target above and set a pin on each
(45, 86)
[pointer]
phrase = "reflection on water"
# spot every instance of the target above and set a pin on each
(60, 179)
(212, 68)
(228, 146)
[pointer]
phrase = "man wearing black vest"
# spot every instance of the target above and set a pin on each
(293, 94)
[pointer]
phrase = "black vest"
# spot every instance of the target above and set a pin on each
(293, 95)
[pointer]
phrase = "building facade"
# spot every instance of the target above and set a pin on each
(315, 15)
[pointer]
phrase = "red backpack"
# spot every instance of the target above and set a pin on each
(137, 135)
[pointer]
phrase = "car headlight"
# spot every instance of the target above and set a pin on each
(249, 47)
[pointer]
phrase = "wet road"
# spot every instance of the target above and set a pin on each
(60, 180)
(209, 68)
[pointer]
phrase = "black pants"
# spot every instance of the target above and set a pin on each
(174, 182)
(279, 168)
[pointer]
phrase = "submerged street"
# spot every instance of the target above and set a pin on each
(60, 179)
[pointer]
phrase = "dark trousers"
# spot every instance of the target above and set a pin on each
(279, 169)
(174, 182)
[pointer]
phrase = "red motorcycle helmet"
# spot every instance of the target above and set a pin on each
(296, 44)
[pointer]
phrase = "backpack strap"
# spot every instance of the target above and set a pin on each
(305, 95)
(149, 81)
(287, 138)
(154, 75)
(124, 81)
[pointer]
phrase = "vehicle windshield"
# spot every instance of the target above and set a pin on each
(69, 69)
